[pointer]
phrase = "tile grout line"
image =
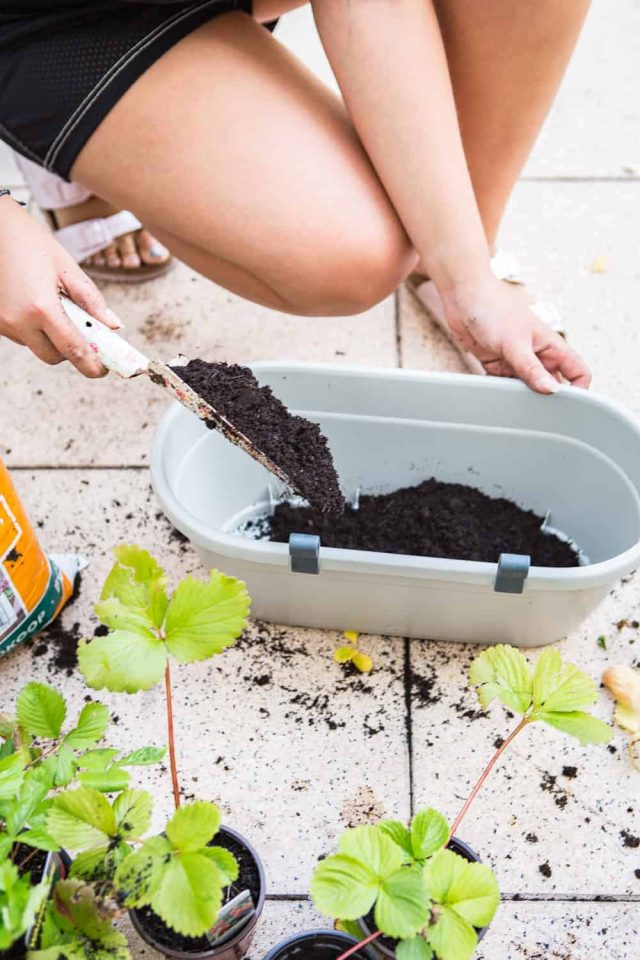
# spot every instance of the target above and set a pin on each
(505, 898)
(408, 719)
(397, 327)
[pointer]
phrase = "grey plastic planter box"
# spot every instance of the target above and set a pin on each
(573, 455)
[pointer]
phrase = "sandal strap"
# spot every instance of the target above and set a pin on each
(88, 237)
(505, 266)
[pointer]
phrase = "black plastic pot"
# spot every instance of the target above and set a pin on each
(19, 949)
(315, 945)
(151, 928)
(379, 950)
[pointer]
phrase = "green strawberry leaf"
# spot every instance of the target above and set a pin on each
(502, 672)
(65, 767)
(205, 618)
(193, 825)
(560, 687)
(344, 887)
(132, 810)
(41, 710)
(115, 615)
(122, 662)
(451, 937)
(190, 894)
(80, 819)
(373, 848)
(578, 724)
(402, 907)
(91, 725)
(429, 832)
(225, 862)
(97, 760)
(39, 839)
(106, 781)
(139, 876)
(474, 894)
(138, 582)
(11, 776)
(143, 757)
(398, 833)
(99, 864)
(416, 948)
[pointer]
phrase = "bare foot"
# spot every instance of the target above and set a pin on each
(128, 251)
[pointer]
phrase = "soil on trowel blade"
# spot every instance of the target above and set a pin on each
(296, 445)
(432, 519)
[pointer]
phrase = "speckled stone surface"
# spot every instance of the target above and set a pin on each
(293, 747)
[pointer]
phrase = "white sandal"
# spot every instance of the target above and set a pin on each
(87, 237)
(504, 266)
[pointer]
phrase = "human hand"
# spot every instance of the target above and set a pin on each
(493, 320)
(34, 270)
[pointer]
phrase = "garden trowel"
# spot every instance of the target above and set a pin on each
(120, 357)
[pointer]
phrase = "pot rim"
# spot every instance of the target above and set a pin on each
(459, 846)
(228, 944)
(346, 938)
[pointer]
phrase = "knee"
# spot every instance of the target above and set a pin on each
(355, 272)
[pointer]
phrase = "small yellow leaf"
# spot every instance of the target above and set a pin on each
(351, 636)
(362, 662)
(624, 684)
(599, 265)
(344, 654)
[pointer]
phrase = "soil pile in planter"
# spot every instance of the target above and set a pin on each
(432, 519)
(296, 445)
(248, 879)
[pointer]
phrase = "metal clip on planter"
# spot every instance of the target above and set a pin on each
(513, 570)
(304, 550)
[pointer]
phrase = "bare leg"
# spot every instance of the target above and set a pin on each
(252, 173)
(506, 62)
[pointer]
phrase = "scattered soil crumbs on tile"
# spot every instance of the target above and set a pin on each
(362, 808)
(59, 641)
(570, 772)
(545, 869)
(295, 444)
(629, 840)
(531, 838)
(432, 519)
(270, 647)
(549, 784)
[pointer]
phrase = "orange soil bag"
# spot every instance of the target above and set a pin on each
(33, 585)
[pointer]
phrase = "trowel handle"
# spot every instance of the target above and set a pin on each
(115, 353)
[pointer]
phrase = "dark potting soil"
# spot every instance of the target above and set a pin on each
(294, 444)
(432, 519)
(248, 879)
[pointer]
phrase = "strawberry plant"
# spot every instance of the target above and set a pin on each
(41, 756)
(147, 628)
(417, 889)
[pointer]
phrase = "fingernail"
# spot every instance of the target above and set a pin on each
(114, 319)
(550, 385)
(157, 251)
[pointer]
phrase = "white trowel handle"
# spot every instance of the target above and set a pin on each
(115, 353)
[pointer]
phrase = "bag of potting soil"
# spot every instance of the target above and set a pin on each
(34, 586)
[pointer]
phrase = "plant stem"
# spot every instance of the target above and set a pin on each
(362, 943)
(172, 743)
(485, 773)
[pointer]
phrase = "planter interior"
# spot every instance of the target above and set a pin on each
(315, 945)
(384, 947)
(252, 876)
(572, 456)
(18, 951)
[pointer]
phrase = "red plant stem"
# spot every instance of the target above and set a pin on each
(485, 773)
(172, 743)
(362, 943)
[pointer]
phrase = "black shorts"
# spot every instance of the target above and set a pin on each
(65, 63)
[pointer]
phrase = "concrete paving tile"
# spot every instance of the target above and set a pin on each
(291, 746)
(70, 420)
(594, 126)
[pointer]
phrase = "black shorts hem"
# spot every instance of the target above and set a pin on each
(63, 154)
